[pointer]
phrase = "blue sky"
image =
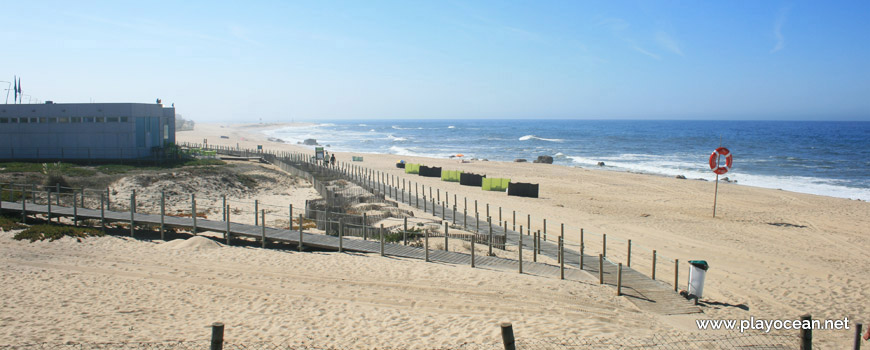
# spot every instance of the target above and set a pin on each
(242, 61)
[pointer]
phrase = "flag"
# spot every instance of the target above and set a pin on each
(15, 79)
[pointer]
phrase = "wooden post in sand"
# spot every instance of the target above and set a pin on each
(75, 209)
(263, 228)
(545, 230)
(654, 265)
(582, 247)
(103, 213)
(520, 249)
(454, 213)
(340, 235)
(446, 237)
(48, 202)
(507, 336)
(256, 210)
(163, 214)
(23, 206)
(489, 220)
(364, 227)
(535, 246)
(217, 336)
(604, 245)
(856, 345)
(619, 280)
(193, 211)
(224, 206)
(381, 232)
(425, 203)
(300, 233)
(562, 237)
(227, 233)
(405, 231)
(676, 274)
(473, 238)
(806, 334)
(465, 219)
(529, 223)
(416, 196)
(426, 244)
(487, 209)
(600, 269)
(515, 222)
(132, 211)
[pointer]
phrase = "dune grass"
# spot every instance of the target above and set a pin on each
(54, 232)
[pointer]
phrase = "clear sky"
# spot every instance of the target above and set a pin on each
(244, 60)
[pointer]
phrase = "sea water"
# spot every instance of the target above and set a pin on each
(824, 158)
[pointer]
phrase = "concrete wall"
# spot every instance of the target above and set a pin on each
(84, 131)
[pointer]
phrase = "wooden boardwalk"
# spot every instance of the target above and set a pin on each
(648, 294)
(642, 291)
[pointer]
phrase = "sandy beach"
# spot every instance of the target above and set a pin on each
(773, 254)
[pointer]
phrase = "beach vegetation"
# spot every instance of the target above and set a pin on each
(8, 223)
(53, 175)
(53, 232)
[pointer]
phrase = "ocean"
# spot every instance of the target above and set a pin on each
(824, 158)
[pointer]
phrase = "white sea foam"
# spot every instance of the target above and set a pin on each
(399, 128)
(672, 166)
(451, 127)
(372, 130)
(395, 138)
(533, 137)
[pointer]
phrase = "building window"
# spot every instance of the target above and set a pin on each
(43, 120)
(111, 119)
(101, 119)
(89, 119)
(34, 120)
(23, 120)
(76, 119)
(165, 132)
(125, 120)
(4, 120)
(63, 120)
(52, 120)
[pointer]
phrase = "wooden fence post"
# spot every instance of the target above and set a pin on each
(619, 280)
(193, 211)
(515, 222)
(582, 247)
(535, 246)
(75, 209)
(48, 201)
(132, 211)
(545, 230)
(507, 336)
(256, 210)
(405, 231)
(365, 228)
(856, 345)
(300, 233)
(472, 250)
(217, 336)
(263, 228)
(426, 243)
(446, 236)
(228, 234)
(489, 220)
(23, 206)
(654, 265)
(340, 235)
(604, 245)
(806, 333)
(382, 239)
(628, 261)
(520, 249)
(676, 274)
(600, 268)
(102, 212)
(163, 213)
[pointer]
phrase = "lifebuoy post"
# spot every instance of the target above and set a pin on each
(719, 168)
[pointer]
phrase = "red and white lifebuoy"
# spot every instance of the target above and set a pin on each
(714, 160)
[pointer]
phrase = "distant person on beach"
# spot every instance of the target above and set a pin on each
(332, 160)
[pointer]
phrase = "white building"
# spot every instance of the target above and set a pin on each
(85, 130)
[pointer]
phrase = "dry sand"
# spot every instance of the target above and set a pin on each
(773, 254)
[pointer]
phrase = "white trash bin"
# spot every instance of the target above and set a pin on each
(696, 277)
